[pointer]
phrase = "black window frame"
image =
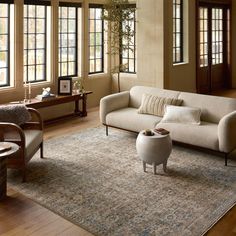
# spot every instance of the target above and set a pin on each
(96, 6)
(77, 6)
(8, 50)
(175, 33)
(36, 3)
(122, 58)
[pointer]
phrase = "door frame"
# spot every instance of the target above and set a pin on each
(219, 3)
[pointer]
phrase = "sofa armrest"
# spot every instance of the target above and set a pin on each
(113, 102)
(227, 132)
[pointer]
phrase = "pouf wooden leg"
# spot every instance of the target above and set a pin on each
(165, 166)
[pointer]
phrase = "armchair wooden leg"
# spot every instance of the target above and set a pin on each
(41, 150)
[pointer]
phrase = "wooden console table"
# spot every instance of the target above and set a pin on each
(35, 103)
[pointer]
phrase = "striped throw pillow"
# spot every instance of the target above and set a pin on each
(155, 105)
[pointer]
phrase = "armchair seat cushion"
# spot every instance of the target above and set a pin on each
(33, 139)
(129, 115)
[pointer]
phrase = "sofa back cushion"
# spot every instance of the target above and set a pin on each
(213, 108)
(137, 92)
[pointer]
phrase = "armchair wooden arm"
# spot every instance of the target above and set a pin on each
(28, 136)
(36, 122)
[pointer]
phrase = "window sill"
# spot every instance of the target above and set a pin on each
(97, 75)
(180, 64)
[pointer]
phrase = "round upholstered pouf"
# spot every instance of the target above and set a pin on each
(153, 150)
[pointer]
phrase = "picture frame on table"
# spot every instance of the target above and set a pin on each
(64, 86)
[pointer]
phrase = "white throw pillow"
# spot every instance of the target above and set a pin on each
(182, 114)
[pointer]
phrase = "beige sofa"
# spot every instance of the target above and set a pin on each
(218, 117)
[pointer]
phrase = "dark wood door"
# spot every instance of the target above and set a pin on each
(213, 47)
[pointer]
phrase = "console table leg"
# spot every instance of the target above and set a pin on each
(84, 109)
(76, 106)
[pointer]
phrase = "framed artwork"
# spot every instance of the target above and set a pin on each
(65, 86)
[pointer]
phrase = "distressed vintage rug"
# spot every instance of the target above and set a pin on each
(98, 183)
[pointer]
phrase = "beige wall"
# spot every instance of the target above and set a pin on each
(181, 76)
(150, 49)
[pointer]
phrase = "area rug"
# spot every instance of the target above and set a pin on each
(97, 182)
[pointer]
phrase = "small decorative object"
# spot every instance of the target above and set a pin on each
(148, 132)
(27, 92)
(46, 94)
(65, 86)
(78, 85)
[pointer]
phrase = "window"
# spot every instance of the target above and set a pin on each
(96, 39)
(128, 55)
(5, 35)
(35, 40)
(68, 39)
(177, 31)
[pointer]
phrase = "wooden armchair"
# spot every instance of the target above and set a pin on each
(28, 136)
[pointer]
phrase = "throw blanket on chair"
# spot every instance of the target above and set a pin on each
(17, 114)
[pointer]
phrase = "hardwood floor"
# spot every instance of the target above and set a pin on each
(21, 216)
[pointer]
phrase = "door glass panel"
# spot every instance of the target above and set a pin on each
(217, 36)
(203, 34)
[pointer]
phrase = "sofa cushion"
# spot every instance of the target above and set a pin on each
(155, 105)
(129, 119)
(136, 93)
(185, 115)
(213, 107)
(204, 135)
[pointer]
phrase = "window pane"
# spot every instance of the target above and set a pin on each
(96, 40)
(40, 12)
(3, 10)
(178, 30)
(40, 26)
(3, 42)
(40, 72)
(3, 26)
(128, 44)
(34, 42)
(3, 76)
(40, 57)
(67, 41)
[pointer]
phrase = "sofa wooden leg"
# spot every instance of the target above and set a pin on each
(226, 159)
(41, 150)
(106, 130)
